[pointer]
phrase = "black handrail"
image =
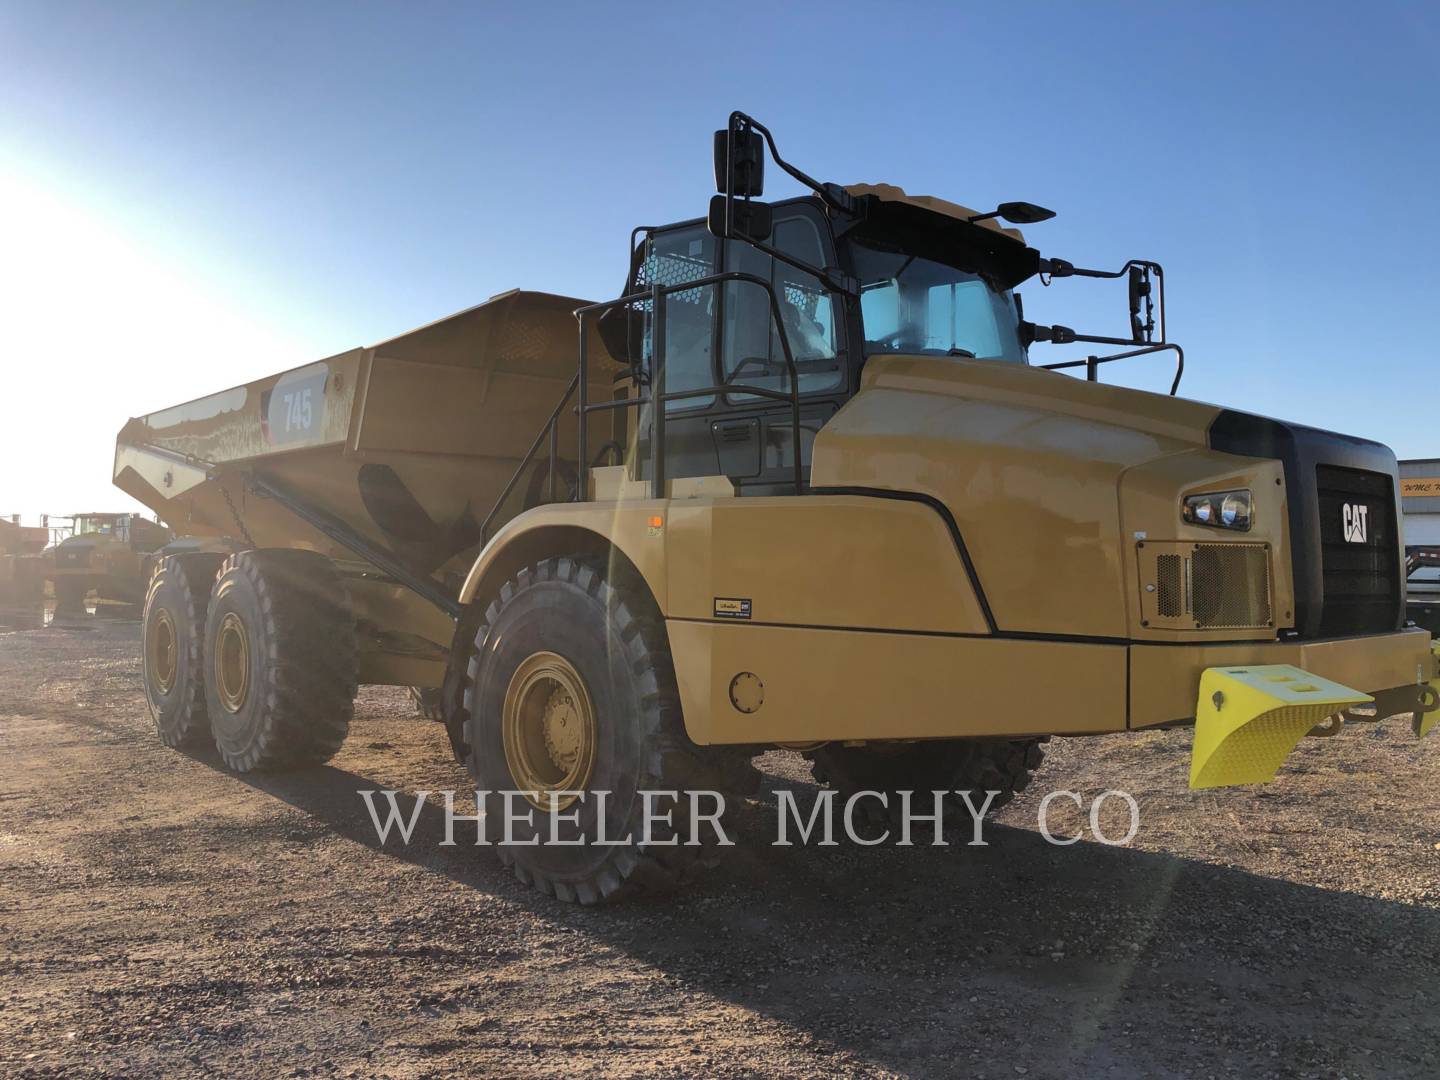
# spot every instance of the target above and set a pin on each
(658, 396)
(657, 295)
(1091, 364)
(550, 428)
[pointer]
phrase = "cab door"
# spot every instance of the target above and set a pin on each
(725, 335)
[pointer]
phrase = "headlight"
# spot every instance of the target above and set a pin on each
(1219, 510)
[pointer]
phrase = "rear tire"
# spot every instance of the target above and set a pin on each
(280, 660)
(974, 765)
(172, 655)
(563, 649)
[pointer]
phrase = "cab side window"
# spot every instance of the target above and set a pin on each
(752, 352)
(674, 258)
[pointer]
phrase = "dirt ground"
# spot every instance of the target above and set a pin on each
(161, 916)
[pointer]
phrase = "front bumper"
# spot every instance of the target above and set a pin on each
(823, 685)
(1163, 678)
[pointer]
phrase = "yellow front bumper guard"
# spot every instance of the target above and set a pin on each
(1426, 721)
(1248, 719)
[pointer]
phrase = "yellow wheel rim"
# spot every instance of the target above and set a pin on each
(162, 650)
(232, 662)
(549, 730)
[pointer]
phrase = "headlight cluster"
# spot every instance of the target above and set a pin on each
(1219, 510)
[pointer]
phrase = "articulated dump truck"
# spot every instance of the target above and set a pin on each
(802, 485)
(111, 555)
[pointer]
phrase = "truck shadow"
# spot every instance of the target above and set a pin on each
(1060, 960)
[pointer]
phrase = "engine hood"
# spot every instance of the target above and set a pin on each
(1029, 463)
(86, 540)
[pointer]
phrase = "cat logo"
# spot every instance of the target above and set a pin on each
(1355, 517)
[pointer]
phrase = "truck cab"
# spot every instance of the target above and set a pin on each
(917, 291)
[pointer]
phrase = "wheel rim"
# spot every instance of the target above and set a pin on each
(162, 650)
(549, 730)
(232, 662)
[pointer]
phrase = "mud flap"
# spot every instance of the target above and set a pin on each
(1248, 719)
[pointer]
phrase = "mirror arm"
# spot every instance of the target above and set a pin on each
(833, 194)
(1063, 336)
(1064, 268)
(832, 277)
(1047, 268)
(1096, 339)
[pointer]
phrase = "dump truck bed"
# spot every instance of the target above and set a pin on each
(388, 459)
(409, 442)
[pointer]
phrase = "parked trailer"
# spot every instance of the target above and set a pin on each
(22, 565)
(801, 487)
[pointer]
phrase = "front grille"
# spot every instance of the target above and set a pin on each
(1359, 551)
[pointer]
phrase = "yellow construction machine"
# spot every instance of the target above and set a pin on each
(110, 555)
(804, 484)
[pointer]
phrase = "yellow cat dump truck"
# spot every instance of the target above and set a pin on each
(108, 554)
(804, 485)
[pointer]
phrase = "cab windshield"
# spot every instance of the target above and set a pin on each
(103, 526)
(917, 303)
(84, 525)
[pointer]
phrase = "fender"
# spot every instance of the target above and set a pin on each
(634, 527)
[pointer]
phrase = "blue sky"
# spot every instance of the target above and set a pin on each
(198, 194)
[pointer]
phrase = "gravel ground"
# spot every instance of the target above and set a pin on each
(164, 917)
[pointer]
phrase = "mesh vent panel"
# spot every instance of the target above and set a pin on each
(669, 268)
(1170, 603)
(1230, 586)
(1205, 586)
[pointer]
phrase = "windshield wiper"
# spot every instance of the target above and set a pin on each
(957, 351)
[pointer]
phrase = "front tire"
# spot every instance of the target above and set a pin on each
(570, 687)
(280, 660)
(70, 594)
(172, 655)
(429, 702)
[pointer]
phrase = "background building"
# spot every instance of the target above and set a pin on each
(1420, 508)
(1420, 500)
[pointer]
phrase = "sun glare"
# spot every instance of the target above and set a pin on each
(99, 327)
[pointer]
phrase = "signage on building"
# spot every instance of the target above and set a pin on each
(1411, 486)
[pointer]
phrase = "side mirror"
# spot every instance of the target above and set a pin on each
(1141, 329)
(1017, 213)
(745, 176)
(750, 221)
(1023, 213)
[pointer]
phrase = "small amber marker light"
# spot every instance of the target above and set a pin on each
(656, 522)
